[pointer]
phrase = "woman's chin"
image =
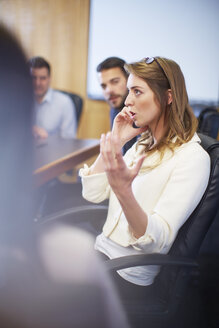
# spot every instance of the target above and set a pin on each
(138, 125)
(135, 125)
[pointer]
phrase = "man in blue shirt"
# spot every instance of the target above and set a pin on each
(54, 111)
(113, 81)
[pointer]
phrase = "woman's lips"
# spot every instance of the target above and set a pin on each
(132, 113)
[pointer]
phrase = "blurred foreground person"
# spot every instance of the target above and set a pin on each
(44, 280)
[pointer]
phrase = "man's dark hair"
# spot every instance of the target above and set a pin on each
(39, 62)
(112, 62)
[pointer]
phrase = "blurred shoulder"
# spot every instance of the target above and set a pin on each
(60, 96)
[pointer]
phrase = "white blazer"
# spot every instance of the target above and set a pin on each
(168, 194)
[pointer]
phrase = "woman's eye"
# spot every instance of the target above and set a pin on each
(137, 92)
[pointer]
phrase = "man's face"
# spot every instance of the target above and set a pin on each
(41, 82)
(113, 83)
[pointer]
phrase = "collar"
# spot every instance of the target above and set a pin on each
(48, 96)
(133, 155)
(195, 138)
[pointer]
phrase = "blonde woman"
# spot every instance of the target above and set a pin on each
(154, 188)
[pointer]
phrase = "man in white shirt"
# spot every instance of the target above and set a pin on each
(54, 111)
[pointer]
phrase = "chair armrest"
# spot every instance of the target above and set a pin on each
(85, 212)
(148, 259)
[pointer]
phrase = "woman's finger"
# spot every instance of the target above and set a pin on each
(124, 115)
(109, 152)
(103, 150)
(102, 145)
(117, 149)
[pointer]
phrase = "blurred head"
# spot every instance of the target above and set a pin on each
(165, 82)
(40, 72)
(113, 79)
(16, 102)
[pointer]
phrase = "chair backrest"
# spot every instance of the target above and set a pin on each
(78, 102)
(171, 281)
(209, 122)
(198, 108)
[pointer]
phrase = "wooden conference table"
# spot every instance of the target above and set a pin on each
(56, 155)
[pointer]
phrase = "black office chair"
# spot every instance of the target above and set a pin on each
(172, 283)
(209, 122)
(198, 108)
(208, 119)
(78, 102)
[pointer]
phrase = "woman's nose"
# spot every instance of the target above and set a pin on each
(128, 100)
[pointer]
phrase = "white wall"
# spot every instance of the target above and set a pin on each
(183, 30)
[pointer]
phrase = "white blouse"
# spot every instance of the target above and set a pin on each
(168, 194)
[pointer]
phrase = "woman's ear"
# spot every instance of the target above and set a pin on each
(169, 97)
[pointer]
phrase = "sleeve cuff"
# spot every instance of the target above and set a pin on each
(152, 239)
(84, 171)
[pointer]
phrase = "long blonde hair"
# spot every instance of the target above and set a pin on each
(162, 74)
